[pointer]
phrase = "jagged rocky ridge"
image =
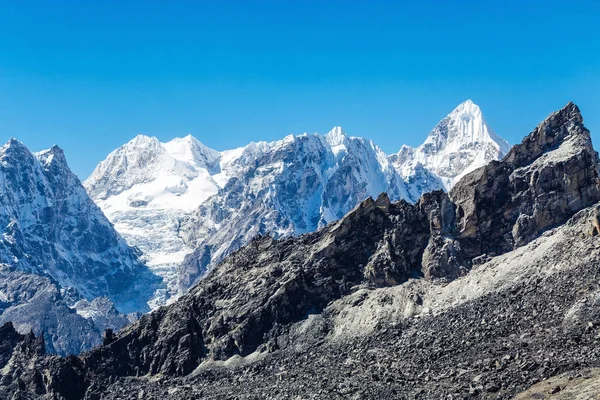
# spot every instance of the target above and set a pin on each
(60, 258)
(338, 312)
(187, 206)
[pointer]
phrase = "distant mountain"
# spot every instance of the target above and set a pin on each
(457, 145)
(151, 191)
(59, 254)
(186, 206)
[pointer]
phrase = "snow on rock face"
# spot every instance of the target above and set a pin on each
(457, 145)
(52, 229)
(286, 187)
(145, 170)
(52, 226)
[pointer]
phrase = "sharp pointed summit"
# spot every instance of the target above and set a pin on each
(467, 106)
(53, 156)
(460, 143)
(464, 126)
(336, 136)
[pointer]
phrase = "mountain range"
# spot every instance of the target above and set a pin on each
(186, 206)
(487, 291)
(68, 272)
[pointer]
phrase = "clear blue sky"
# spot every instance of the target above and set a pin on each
(90, 75)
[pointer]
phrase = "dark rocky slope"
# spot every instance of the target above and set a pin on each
(542, 321)
(294, 308)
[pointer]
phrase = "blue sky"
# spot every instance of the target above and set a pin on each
(90, 75)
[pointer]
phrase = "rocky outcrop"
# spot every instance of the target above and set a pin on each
(540, 183)
(28, 373)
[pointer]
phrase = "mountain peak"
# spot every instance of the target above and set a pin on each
(14, 148)
(461, 142)
(12, 142)
(189, 138)
(336, 130)
(467, 107)
(53, 155)
(191, 150)
(336, 136)
(571, 112)
(566, 122)
(143, 140)
(464, 126)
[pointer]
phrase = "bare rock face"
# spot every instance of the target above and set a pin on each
(29, 373)
(9, 340)
(443, 256)
(540, 183)
(420, 243)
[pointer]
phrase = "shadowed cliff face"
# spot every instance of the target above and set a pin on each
(247, 302)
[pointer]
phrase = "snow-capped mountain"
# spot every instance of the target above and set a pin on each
(457, 145)
(146, 188)
(62, 249)
(151, 191)
(186, 206)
